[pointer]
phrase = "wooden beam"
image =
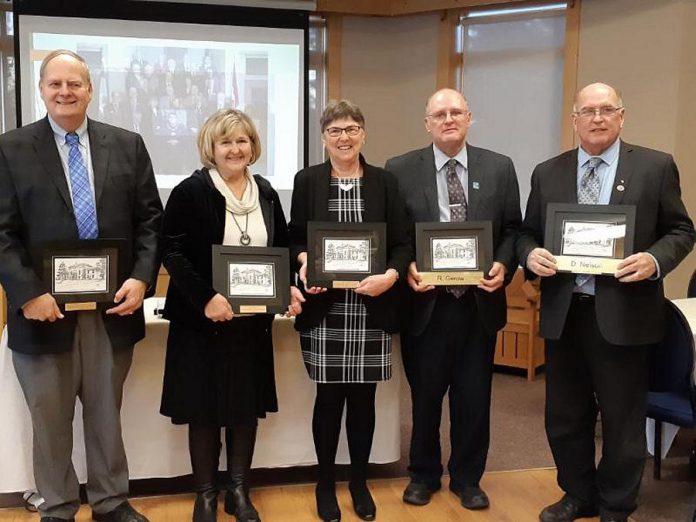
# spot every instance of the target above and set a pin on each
(406, 7)
(401, 7)
(3, 309)
(334, 51)
(448, 59)
(355, 7)
(570, 73)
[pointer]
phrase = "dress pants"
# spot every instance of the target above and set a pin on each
(586, 374)
(95, 373)
(454, 353)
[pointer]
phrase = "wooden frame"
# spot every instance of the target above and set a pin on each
(608, 227)
(368, 241)
(268, 289)
(80, 292)
(466, 234)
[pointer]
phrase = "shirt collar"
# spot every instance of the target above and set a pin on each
(609, 156)
(441, 158)
(60, 132)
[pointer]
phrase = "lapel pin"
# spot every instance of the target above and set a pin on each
(475, 184)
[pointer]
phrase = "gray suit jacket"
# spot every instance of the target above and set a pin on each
(35, 206)
(493, 196)
(627, 313)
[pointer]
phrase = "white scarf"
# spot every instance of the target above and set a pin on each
(250, 198)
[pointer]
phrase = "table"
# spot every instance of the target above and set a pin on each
(157, 448)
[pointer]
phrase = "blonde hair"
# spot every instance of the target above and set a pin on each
(221, 124)
(64, 52)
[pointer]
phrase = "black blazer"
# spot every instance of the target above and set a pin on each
(35, 206)
(194, 220)
(383, 203)
(493, 196)
(627, 313)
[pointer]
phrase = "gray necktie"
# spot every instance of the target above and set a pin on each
(588, 194)
(458, 209)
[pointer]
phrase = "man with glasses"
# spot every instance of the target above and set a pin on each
(449, 343)
(598, 329)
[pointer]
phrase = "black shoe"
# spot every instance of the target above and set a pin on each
(567, 509)
(471, 497)
(363, 504)
(417, 493)
(122, 513)
(56, 519)
(238, 503)
(205, 506)
(327, 504)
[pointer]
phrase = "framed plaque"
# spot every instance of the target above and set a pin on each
(255, 280)
(82, 273)
(459, 253)
(340, 255)
(589, 239)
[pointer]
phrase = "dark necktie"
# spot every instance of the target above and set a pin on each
(458, 209)
(588, 194)
(457, 197)
(83, 201)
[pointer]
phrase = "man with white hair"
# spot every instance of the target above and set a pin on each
(598, 329)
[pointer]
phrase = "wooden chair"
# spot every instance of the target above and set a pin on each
(518, 344)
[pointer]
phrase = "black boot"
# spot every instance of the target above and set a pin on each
(204, 447)
(327, 503)
(205, 506)
(363, 504)
(240, 450)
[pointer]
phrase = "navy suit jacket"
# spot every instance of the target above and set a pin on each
(627, 313)
(493, 195)
(35, 207)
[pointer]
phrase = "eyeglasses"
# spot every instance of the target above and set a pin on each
(606, 111)
(350, 130)
(441, 116)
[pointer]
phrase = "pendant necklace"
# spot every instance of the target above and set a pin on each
(244, 239)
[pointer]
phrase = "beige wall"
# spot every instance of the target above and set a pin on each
(648, 49)
(389, 69)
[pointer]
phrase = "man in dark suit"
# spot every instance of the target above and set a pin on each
(450, 340)
(598, 329)
(62, 178)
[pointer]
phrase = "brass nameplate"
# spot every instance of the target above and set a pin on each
(345, 284)
(252, 309)
(451, 278)
(587, 265)
(77, 307)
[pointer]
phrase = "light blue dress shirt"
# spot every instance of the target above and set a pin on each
(607, 175)
(64, 150)
(441, 160)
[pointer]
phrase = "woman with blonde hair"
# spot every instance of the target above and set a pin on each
(219, 366)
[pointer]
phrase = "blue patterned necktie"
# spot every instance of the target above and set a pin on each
(458, 209)
(588, 194)
(83, 202)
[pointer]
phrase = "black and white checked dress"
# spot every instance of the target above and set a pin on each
(341, 348)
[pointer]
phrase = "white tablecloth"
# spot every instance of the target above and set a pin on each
(156, 448)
